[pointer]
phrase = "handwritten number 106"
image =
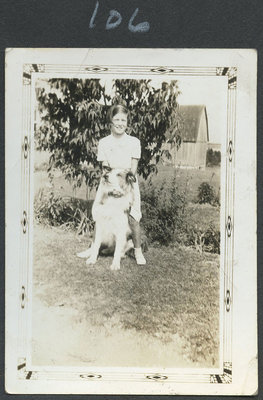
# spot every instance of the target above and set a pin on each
(115, 19)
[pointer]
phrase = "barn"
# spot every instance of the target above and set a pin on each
(195, 137)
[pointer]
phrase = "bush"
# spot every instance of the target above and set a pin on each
(167, 219)
(212, 240)
(206, 194)
(163, 208)
(57, 211)
(203, 239)
(213, 158)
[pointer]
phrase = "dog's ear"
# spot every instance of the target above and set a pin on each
(106, 168)
(130, 178)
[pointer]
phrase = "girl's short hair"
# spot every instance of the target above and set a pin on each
(115, 109)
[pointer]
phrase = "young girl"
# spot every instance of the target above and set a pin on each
(119, 150)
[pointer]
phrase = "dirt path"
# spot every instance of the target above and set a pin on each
(62, 338)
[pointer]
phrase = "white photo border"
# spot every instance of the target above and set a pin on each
(24, 370)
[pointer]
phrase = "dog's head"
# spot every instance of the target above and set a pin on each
(117, 182)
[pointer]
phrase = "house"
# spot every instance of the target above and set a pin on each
(194, 138)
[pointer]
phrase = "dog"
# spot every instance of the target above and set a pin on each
(111, 213)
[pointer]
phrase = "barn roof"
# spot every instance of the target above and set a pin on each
(191, 116)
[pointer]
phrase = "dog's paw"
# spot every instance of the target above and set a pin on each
(115, 266)
(91, 260)
(84, 254)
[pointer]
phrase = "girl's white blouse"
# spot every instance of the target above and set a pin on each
(118, 152)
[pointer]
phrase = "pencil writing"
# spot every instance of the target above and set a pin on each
(115, 19)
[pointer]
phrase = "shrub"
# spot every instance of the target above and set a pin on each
(163, 208)
(206, 239)
(212, 240)
(216, 201)
(206, 193)
(168, 219)
(55, 210)
(198, 232)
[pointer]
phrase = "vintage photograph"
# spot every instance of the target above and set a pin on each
(129, 227)
(126, 251)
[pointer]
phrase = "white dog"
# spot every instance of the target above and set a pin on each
(111, 211)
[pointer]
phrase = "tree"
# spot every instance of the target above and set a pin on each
(213, 158)
(73, 118)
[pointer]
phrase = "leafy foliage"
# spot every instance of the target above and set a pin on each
(54, 210)
(168, 219)
(212, 240)
(213, 158)
(72, 121)
(73, 118)
(206, 193)
(201, 238)
(163, 210)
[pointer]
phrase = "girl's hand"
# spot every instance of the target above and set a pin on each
(130, 177)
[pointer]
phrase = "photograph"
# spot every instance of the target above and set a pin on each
(126, 246)
(135, 302)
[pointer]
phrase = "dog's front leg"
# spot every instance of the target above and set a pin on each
(95, 247)
(116, 263)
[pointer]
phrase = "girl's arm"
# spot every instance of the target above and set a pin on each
(134, 165)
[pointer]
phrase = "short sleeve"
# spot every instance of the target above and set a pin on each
(136, 149)
(101, 153)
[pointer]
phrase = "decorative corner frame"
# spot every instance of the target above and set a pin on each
(24, 372)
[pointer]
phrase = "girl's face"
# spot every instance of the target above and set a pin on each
(119, 124)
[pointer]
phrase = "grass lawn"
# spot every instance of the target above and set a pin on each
(188, 180)
(175, 296)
